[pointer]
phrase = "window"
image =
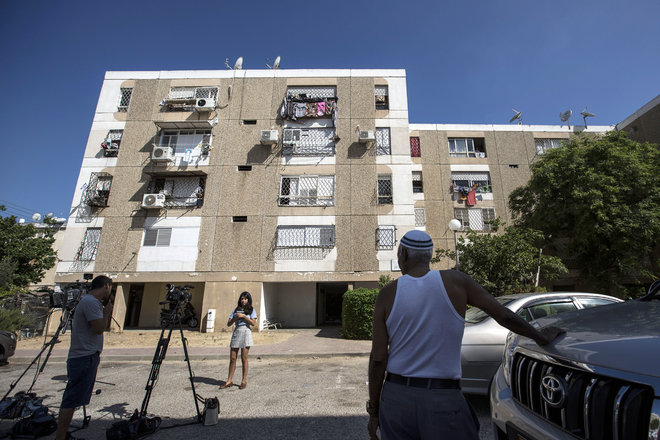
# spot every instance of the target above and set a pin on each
(475, 218)
(543, 145)
(594, 302)
(180, 192)
(467, 147)
(306, 236)
(124, 99)
(244, 167)
(183, 141)
(464, 182)
(383, 142)
(307, 191)
(239, 219)
(385, 237)
(310, 102)
(185, 98)
(385, 189)
(111, 143)
(417, 184)
(415, 150)
(157, 237)
(537, 311)
(382, 98)
(89, 245)
(308, 141)
(98, 189)
(420, 217)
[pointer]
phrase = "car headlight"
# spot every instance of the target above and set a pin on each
(507, 359)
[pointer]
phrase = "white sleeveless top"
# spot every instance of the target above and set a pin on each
(425, 331)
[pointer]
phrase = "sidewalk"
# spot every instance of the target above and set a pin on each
(318, 342)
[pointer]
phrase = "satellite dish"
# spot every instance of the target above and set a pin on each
(565, 116)
(50, 214)
(238, 65)
(276, 64)
(36, 216)
(518, 115)
(227, 63)
(585, 114)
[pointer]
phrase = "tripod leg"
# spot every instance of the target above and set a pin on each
(184, 343)
(159, 356)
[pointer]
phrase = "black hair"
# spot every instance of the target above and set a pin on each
(247, 309)
(100, 281)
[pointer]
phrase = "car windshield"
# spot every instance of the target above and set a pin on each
(474, 315)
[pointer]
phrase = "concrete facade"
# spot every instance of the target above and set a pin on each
(244, 233)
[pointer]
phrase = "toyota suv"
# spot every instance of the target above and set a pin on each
(601, 380)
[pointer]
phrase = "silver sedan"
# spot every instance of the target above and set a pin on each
(483, 340)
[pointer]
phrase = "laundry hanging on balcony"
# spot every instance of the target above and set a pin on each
(296, 106)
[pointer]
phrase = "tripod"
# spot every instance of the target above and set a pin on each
(65, 322)
(170, 322)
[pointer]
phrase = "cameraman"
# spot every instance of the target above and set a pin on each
(91, 318)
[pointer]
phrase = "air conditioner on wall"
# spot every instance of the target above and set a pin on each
(269, 137)
(204, 104)
(366, 136)
(162, 154)
(153, 201)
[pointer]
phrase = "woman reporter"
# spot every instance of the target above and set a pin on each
(243, 317)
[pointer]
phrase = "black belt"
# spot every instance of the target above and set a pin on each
(422, 382)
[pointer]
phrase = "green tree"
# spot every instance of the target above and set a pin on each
(504, 263)
(600, 196)
(25, 254)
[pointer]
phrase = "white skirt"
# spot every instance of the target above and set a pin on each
(242, 337)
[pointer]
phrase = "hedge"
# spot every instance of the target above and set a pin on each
(357, 313)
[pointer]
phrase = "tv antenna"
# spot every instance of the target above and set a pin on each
(518, 116)
(276, 64)
(238, 65)
(585, 114)
(565, 117)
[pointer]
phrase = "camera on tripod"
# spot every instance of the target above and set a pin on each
(68, 297)
(178, 294)
(178, 306)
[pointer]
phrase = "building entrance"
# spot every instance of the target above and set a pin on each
(134, 306)
(328, 302)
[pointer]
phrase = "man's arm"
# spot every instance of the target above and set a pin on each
(478, 296)
(379, 353)
(99, 325)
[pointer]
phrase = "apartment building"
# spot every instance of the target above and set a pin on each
(294, 185)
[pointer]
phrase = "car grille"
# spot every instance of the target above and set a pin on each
(594, 406)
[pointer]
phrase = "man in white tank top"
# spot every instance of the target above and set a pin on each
(417, 332)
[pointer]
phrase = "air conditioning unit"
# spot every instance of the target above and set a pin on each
(366, 136)
(153, 201)
(269, 137)
(162, 154)
(204, 104)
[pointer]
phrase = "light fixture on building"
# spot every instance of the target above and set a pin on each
(455, 225)
(585, 114)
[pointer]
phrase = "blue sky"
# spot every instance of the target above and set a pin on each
(466, 62)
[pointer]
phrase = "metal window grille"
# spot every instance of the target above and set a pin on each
(111, 143)
(420, 217)
(417, 183)
(308, 141)
(385, 237)
(385, 190)
(182, 98)
(98, 190)
(304, 242)
(312, 92)
(307, 191)
(475, 218)
(383, 141)
(159, 237)
(415, 149)
(381, 95)
(89, 245)
(465, 179)
(543, 145)
(180, 192)
(182, 140)
(125, 99)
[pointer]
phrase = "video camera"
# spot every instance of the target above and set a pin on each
(68, 297)
(178, 294)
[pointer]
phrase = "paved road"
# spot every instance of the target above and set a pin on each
(286, 398)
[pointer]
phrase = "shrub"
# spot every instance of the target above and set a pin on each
(357, 313)
(13, 320)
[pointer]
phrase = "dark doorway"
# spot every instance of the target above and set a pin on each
(328, 302)
(134, 306)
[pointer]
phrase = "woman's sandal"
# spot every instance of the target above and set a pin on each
(226, 385)
(242, 386)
